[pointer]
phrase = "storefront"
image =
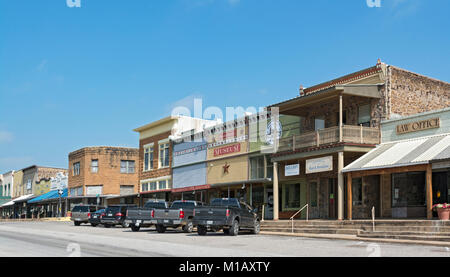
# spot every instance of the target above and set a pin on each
(411, 166)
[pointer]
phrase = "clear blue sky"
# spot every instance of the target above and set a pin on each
(76, 77)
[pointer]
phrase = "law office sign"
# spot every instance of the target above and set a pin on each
(319, 165)
(292, 170)
(418, 126)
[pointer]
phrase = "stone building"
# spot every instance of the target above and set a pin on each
(101, 172)
(340, 122)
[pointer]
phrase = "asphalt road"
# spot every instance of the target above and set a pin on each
(62, 239)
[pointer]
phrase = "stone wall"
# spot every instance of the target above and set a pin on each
(411, 93)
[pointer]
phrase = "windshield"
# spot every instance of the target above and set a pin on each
(155, 205)
(219, 202)
(181, 204)
(81, 209)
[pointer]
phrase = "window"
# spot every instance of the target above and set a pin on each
(76, 191)
(408, 189)
(319, 123)
(163, 184)
(313, 194)
(76, 169)
(148, 158)
(94, 166)
(292, 196)
(257, 168)
(144, 187)
(127, 167)
(364, 115)
(164, 155)
(357, 191)
(344, 118)
(153, 186)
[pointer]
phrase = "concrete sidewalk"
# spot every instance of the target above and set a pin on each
(356, 238)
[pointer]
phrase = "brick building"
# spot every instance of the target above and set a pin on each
(155, 153)
(103, 171)
(339, 122)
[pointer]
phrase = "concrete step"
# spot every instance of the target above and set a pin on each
(360, 223)
(413, 237)
(425, 229)
(405, 233)
(311, 230)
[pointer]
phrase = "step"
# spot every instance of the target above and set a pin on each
(405, 237)
(405, 233)
(360, 223)
(312, 230)
(429, 229)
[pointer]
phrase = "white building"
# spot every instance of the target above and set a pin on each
(7, 184)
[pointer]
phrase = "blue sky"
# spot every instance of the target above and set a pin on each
(76, 77)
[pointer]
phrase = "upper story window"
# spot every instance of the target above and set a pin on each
(94, 166)
(319, 123)
(164, 155)
(364, 115)
(76, 169)
(127, 166)
(257, 168)
(148, 158)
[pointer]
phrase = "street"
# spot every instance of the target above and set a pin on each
(63, 239)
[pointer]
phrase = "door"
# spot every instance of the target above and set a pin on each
(440, 189)
(332, 198)
(268, 213)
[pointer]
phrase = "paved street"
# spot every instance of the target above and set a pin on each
(61, 239)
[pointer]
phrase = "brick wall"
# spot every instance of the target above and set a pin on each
(155, 173)
(412, 93)
(108, 174)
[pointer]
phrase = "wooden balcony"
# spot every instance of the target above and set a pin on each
(329, 136)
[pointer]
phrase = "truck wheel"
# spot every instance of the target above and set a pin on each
(202, 230)
(160, 229)
(234, 230)
(135, 228)
(189, 227)
(256, 227)
(94, 225)
(77, 223)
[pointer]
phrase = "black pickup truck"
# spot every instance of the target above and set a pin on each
(180, 213)
(227, 214)
(144, 217)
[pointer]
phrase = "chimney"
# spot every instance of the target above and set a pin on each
(302, 92)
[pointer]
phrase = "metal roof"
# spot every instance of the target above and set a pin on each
(404, 153)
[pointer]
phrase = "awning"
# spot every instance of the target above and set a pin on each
(409, 152)
(18, 199)
(49, 196)
(245, 182)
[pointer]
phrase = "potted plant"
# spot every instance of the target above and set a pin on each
(443, 211)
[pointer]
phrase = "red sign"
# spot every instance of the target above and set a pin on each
(227, 150)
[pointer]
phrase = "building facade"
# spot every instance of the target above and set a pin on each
(99, 172)
(340, 122)
(34, 175)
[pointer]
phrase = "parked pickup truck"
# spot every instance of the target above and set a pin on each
(180, 213)
(144, 217)
(227, 214)
(81, 213)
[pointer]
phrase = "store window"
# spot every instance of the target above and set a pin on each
(292, 196)
(357, 185)
(408, 189)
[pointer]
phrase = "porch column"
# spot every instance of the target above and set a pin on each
(340, 118)
(349, 196)
(275, 191)
(340, 191)
(429, 192)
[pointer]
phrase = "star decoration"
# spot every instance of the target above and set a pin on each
(226, 168)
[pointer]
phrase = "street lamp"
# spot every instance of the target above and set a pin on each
(60, 192)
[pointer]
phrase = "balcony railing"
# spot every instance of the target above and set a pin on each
(350, 134)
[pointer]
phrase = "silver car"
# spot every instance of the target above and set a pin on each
(81, 214)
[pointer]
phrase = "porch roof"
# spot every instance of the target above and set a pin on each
(403, 153)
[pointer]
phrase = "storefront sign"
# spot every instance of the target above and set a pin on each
(190, 150)
(235, 148)
(319, 165)
(292, 170)
(418, 126)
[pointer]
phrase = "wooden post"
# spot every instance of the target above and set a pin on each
(275, 191)
(429, 192)
(349, 196)
(340, 190)
(340, 118)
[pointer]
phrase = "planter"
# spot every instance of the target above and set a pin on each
(444, 213)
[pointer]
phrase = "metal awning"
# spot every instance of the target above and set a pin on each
(18, 199)
(51, 195)
(409, 152)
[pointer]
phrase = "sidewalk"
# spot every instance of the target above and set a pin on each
(356, 238)
(64, 219)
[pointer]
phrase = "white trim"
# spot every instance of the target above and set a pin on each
(156, 179)
(148, 145)
(166, 140)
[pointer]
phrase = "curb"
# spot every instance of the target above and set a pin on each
(355, 238)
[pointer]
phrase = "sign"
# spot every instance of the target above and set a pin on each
(235, 148)
(270, 131)
(94, 190)
(319, 165)
(292, 170)
(418, 126)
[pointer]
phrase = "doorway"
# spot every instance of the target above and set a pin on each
(440, 188)
(332, 198)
